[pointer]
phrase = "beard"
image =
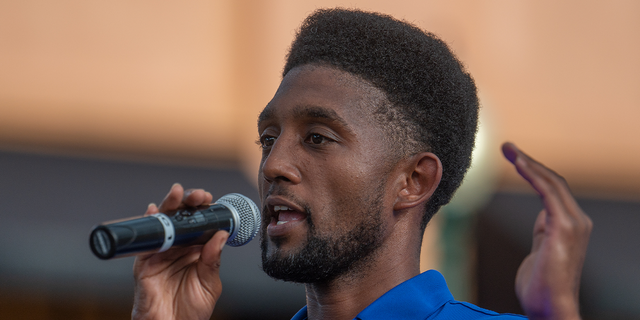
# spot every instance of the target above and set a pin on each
(324, 258)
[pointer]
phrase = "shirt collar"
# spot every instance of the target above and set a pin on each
(301, 315)
(416, 298)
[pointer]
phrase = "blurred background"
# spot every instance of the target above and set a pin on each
(105, 104)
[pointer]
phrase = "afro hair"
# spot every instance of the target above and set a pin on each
(433, 104)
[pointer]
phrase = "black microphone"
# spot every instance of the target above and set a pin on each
(233, 213)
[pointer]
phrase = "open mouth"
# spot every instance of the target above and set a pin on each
(284, 214)
(284, 217)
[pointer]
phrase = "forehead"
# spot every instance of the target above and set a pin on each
(323, 93)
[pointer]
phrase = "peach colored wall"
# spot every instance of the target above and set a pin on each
(169, 80)
(144, 77)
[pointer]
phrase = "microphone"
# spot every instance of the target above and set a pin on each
(233, 213)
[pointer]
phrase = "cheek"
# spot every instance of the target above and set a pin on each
(346, 178)
(345, 192)
(262, 184)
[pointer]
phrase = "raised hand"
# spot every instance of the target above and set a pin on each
(180, 283)
(548, 279)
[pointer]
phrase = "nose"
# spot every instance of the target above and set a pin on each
(281, 162)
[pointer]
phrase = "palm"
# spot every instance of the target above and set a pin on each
(539, 270)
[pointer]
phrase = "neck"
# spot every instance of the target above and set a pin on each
(346, 296)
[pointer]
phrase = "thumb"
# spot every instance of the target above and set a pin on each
(209, 264)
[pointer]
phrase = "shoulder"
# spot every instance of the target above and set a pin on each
(426, 297)
(462, 310)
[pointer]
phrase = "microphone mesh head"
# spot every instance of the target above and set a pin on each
(246, 228)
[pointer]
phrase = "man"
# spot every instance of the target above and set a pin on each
(369, 133)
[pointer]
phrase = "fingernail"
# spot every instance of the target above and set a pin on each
(509, 151)
(151, 204)
(173, 186)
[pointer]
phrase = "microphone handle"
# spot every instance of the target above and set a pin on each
(159, 232)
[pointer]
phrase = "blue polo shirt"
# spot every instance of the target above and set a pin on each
(425, 297)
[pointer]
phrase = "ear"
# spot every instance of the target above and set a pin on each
(422, 174)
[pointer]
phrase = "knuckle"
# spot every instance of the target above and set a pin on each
(557, 180)
(588, 223)
(215, 265)
(567, 225)
(544, 187)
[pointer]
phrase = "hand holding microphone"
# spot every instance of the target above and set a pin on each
(183, 283)
(158, 232)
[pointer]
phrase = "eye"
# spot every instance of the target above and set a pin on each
(316, 138)
(267, 141)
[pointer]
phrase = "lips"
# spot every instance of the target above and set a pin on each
(284, 217)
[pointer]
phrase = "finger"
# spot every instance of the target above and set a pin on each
(196, 197)
(212, 249)
(177, 257)
(539, 229)
(562, 214)
(151, 209)
(543, 179)
(549, 185)
(209, 264)
(554, 180)
(170, 261)
(173, 199)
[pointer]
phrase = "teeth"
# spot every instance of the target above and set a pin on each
(279, 208)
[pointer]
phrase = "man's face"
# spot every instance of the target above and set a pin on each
(322, 175)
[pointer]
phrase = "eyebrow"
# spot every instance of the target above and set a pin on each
(308, 112)
(266, 114)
